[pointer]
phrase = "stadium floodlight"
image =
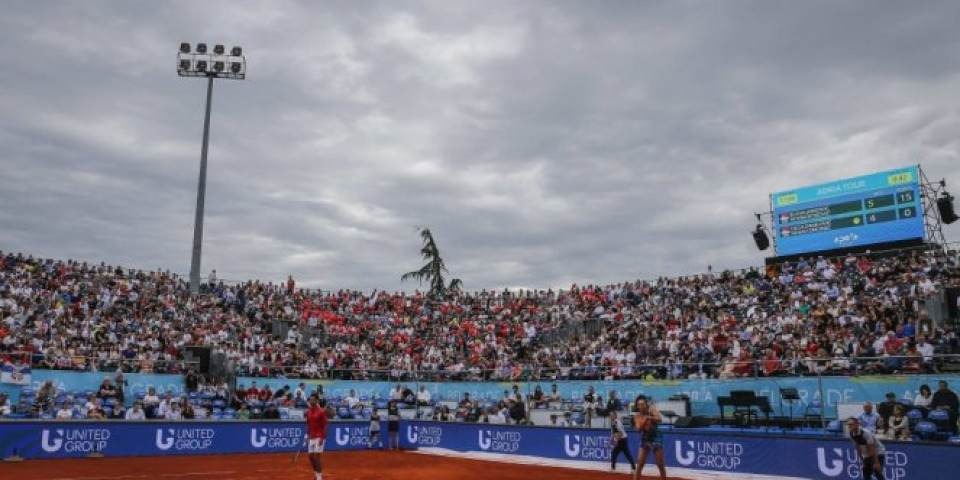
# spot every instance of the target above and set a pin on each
(201, 64)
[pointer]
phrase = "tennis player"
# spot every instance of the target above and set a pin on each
(647, 420)
(871, 452)
(316, 418)
(618, 438)
(375, 430)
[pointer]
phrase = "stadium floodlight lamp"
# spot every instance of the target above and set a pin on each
(217, 65)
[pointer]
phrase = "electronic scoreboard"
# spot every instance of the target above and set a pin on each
(877, 208)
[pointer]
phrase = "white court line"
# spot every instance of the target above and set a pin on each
(603, 466)
(170, 475)
(101, 477)
(190, 474)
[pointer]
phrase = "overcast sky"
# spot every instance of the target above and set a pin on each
(543, 142)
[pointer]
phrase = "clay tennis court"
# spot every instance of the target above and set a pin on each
(357, 465)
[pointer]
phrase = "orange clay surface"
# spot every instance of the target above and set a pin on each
(358, 465)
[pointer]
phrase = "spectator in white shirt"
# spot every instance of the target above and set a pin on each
(173, 412)
(924, 398)
(150, 402)
(396, 393)
(65, 412)
(91, 405)
(352, 401)
(5, 407)
(423, 396)
(165, 405)
(925, 350)
(136, 413)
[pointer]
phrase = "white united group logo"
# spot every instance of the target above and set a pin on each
(705, 454)
(184, 439)
(288, 437)
(840, 461)
(351, 435)
(74, 440)
(498, 441)
(589, 447)
(424, 435)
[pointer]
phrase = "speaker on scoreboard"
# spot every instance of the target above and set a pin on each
(945, 208)
(760, 238)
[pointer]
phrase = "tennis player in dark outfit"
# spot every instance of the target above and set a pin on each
(393, 426)
(618, 438)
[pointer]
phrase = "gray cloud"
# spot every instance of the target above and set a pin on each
(545, 143)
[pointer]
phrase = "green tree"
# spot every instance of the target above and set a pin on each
(433, 271)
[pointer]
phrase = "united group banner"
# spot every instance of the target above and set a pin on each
(31, 439)
(814, 458)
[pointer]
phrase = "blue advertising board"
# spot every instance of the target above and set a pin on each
(876, 208)
(819, 457)
(803, 457)
(42, 439)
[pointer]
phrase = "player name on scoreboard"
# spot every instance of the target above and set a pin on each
(878, 209)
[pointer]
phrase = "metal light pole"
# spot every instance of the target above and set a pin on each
(215, 65)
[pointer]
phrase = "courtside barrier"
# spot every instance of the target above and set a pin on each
(50, 439)
(810, 457)
(702, 393)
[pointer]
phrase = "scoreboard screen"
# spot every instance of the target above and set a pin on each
(877, 208)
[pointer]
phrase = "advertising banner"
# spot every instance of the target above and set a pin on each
(31, 439)
(807, 457)
(815, 458)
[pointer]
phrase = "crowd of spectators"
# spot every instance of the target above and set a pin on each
(830, 316)
(931, 415)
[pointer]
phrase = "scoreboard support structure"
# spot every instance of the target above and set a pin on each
(929, 193)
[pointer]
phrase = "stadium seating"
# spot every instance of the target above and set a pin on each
(926, 430)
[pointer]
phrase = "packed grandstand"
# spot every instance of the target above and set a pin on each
(841, 316)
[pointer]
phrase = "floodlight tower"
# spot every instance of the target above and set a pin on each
(201, 63)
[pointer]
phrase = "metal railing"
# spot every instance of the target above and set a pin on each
(84, 363)
(669, 370)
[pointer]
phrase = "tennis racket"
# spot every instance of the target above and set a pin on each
(296, 456)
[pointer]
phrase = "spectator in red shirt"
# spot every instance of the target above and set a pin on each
(771, 363)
